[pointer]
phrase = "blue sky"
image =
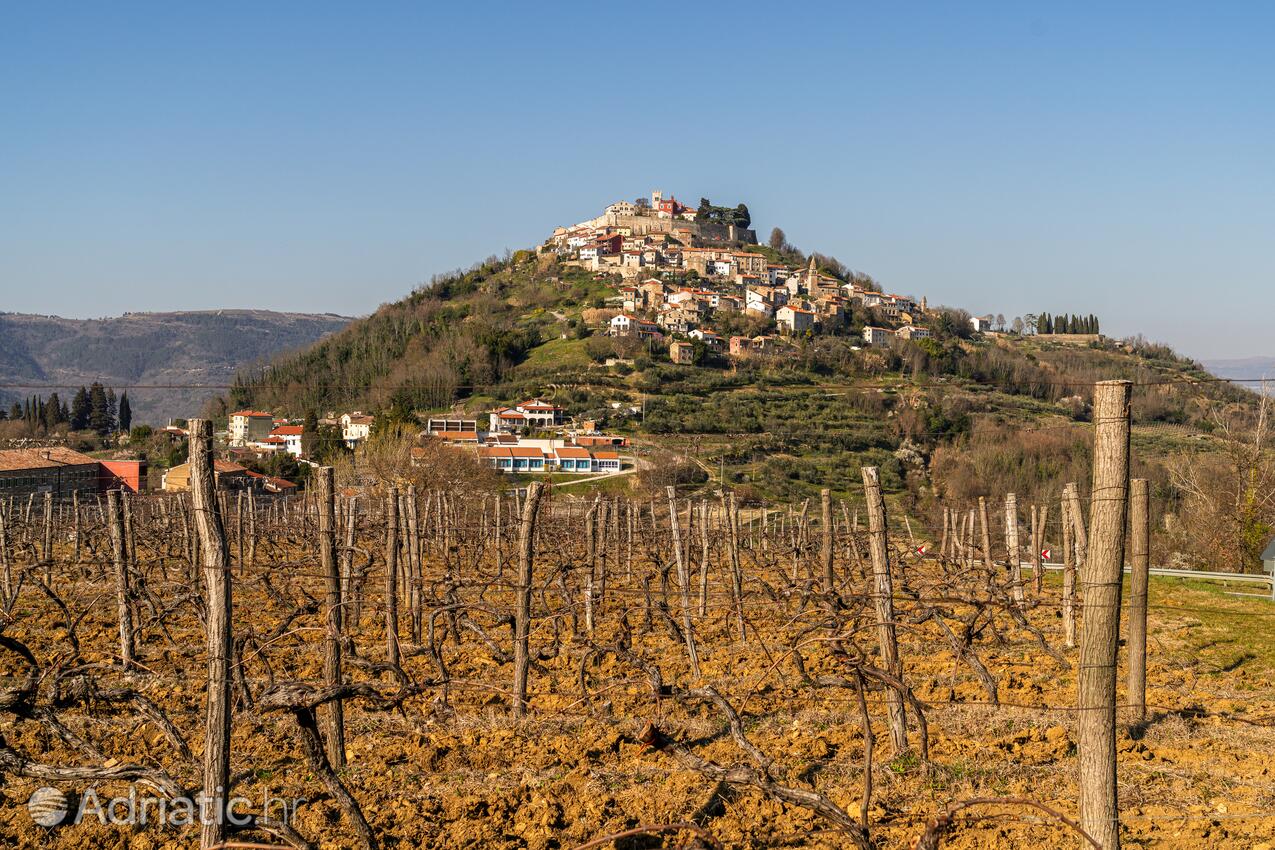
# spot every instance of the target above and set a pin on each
(325, 157)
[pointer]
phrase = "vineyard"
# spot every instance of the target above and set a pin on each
(393, 668)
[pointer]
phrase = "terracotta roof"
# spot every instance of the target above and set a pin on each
(510, 451)
(572, 452)
(287, 431)
(456, 435)
(253, 413)
(11, 459)
(606, 455)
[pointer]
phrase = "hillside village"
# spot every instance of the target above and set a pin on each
(690, 284)
(677, 274)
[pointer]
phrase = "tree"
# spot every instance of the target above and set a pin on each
(642, 203)
(1000, 321)
(126, 413)
(743, 218)
(80, 410)
(112, 407)
(100, 419)
(778, 239)
(1018, 325)
(309, 434)
(15, 412)
(52, 412)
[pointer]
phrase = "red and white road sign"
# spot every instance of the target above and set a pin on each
(1045, 554)
(920, 550)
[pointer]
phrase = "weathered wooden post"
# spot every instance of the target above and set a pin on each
(522, 608)
(829, 579)
(684, 580)
(216, 565)
(123, 595)
(333, 716)
(988, 561)
(883, 598)
(1099, 639)
(1011, 546)
(391, 576)
(1140, 558)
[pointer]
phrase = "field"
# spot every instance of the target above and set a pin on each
(784, 738)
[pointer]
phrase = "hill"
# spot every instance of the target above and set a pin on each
(1245, 368)
(179, 348)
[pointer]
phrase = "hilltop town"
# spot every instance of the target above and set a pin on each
(645, 283)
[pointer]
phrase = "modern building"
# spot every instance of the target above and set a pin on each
(248, 426)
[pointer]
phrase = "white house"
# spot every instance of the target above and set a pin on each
(356, 427)
(913, 332)
(291, 436)
(795, 319)
(982, 323)
(877, 336)
(629, 325)
(758, 302)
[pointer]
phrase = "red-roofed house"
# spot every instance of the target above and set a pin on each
(291, 435)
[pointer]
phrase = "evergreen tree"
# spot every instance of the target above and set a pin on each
(1097, 328)
(743, 218)
(80, 410)
(112, 407)
(52, 412)
(126, 413)
(15, 411)
(99, 411)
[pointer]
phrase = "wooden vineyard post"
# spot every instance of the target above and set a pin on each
(47, 542)
(829, 579)
(703, 561)
(1011, 546)
(1140, 558)
(216, 565)
(75, 523)
(333, 716)
(1102, 578)
(391, 576)
(684, 581)
(123, 602)
(522, 608)
(1042, 540)
(731, 510)
(1068, 570)
(883, 597)
(988, 561)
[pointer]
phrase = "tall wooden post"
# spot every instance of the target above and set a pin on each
(829, 579)
(1099, 639)
(216, 566)
(123, 595)
(1140, 558)
(522, 608)
(1011, 546)
(333, 715)
(391, 576)
(883, 597)
(988, 561)
(684, 580)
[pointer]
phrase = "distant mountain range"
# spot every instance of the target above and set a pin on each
(1246, 367)
(178, 349)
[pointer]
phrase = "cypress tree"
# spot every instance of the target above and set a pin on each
(99, 412)
(126, 413)
(80, 410)
(112, 407)
(52, 412)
